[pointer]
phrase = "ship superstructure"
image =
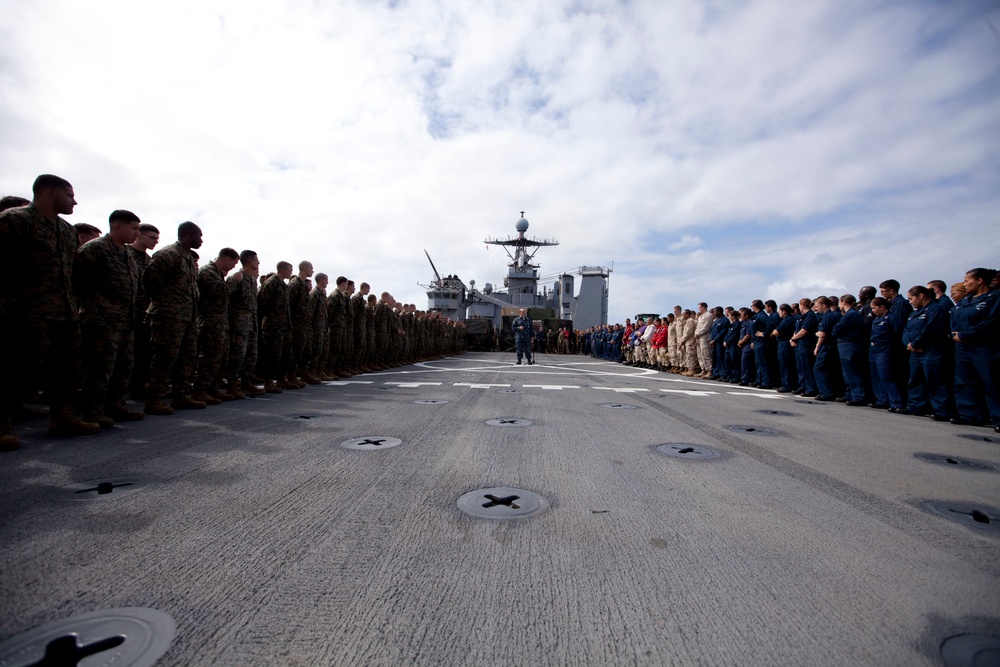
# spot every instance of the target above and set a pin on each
(454, 299)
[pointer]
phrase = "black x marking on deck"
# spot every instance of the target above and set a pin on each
(105, 487)
(977, 516)
(508, 501)
(66, 651)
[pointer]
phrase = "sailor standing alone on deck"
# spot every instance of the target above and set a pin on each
(523, 328)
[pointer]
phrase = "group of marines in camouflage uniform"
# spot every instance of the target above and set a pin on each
(91, 323)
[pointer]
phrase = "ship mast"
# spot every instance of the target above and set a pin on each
(522, 274)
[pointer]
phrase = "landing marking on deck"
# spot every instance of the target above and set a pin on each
(700, 388)
(340, 383)
(746, 393)
(415, 384)
(552, 386)
(623, 390)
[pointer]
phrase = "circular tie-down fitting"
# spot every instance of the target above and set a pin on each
(686, 450)
(948, 460)
(133, 636)
(978, 517)
(751, 429)
(777, 413)
(371, 442)
(970, 650)
(980, 438)
(307, 417)
(509, 391)
(502, 502)
(619, 406)
(508, 421)
(430, 401)
(102, 488)
(381, 389)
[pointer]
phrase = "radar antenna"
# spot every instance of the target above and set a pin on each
(524, 248)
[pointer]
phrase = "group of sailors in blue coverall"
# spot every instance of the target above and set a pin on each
(923, 354)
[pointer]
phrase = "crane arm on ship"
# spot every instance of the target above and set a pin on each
(436, 274)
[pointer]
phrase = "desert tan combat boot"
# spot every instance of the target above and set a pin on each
(8, 439)
(199, 396)
(182, 402)
(156, 406)
(65, 424)
(121, 412)
(221, 394)
(97, 416)
(250, 389)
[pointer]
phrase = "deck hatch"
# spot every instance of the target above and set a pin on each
(371, 443)
(508, 421)
(685, 450)
(501, 502)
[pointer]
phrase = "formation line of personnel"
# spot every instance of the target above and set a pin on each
(926, 354)
(86, 325)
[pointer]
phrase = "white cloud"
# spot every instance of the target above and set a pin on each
(356, 134)
(687, 241)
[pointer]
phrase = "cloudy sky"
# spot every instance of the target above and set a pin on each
(716, 151)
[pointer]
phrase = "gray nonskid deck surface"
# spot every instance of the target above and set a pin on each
(269, 543)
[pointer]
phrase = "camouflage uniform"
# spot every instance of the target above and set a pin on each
(427, 325)
(320, 330)
(406, 343)
(105, 281)
(395, 337)
(371, 334)
(213, 325)
(301, 316)
(335, 317)
(242, 329)
(422, 328)
(276, 328)
(417, 346)
(347, 346)
(39, 325)
(360, 309)
(171, 281)
(381, 333)
(141, 333)
(687, 345)
(702, 334)
(674, 343)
